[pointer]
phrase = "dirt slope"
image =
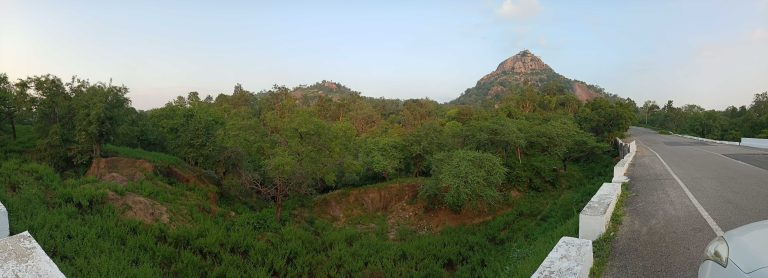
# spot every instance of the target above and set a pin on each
(399, 204)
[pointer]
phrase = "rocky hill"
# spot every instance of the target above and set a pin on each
(523, 69)
(323, 88)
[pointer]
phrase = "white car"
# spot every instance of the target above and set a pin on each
(741, 252)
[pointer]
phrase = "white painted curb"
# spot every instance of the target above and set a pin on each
(571, 257)
(709, 140)
(4, 227)
(755, 142)
(21, 256)
(596, 215)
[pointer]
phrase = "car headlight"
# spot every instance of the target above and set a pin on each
(717, 251)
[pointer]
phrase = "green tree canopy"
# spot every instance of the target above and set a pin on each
(468, 178)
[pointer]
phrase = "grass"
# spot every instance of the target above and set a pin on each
(25, 141)
(86, 237)
(153, 157)
(603, 245)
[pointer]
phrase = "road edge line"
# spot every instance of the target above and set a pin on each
(712, 224)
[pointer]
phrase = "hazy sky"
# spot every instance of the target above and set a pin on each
(712, 53)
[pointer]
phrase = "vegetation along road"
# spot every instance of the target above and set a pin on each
(683, 193)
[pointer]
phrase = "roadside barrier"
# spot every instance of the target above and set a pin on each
(755, 142)
(4, 228)
(708, 140)
(572, 257)
(596, 215)
(21, 256)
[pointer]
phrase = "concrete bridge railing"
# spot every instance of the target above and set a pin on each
(596, 215)
(755, 142)
(573, 257)
(708, 140)
(20, 255)
(4, 228)
(749, 142)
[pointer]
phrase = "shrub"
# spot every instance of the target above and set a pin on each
(468, 178)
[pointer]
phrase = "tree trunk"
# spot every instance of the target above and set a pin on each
(279, 200)
(278, 207)
(96, 150)
(417, 167)
(13, 128)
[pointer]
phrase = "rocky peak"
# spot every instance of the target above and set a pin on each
(523, 62)
(524, 68)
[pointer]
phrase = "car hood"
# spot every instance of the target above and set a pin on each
(748, 246)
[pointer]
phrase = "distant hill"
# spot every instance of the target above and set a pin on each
(525, 69)
(323, 88)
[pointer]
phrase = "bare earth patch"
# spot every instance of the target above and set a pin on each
(120, 170)
(137, 207)
(399, 204)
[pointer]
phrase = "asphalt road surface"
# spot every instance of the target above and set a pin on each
(665, 228)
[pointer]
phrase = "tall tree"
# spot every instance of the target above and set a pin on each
(14, 100)
(467, 178)
(54, 120)
(98, 110)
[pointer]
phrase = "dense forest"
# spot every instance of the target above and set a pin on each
(730, 124)
(265, 158)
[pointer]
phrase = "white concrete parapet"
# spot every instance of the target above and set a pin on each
(4, 227)
(709, 140)
(620, 170)
(755, 142)
(596, 215)
(21, 256)
(571, 257)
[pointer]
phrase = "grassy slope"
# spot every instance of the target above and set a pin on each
(86, 237)
(153, 157)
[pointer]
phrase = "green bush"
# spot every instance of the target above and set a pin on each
(467, 178)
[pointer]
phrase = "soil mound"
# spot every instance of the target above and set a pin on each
(137, 207)
(120, 170)
(123, 170)
(400, 205)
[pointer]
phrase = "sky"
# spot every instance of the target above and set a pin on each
(710, 53)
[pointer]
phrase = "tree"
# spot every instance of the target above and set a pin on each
(418, 111)
(303, 154)
(606, 120)
(466, 177)
(424, 142)
(14, 100)
(497, 135)
(189, 129)
(648, 108)
(54, 120)
(99, 108)
(383, 155)
(760, 104)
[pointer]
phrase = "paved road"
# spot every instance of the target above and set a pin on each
(664, 233)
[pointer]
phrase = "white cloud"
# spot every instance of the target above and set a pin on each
(519, 9)
(759, 34)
